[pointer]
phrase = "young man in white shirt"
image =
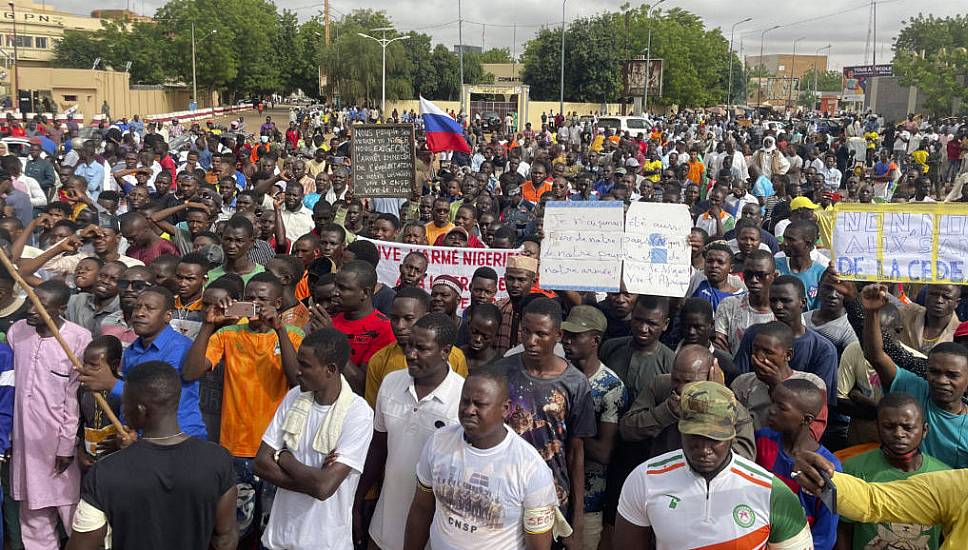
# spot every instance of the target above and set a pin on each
(479, 484)
(314, 450)
(412, 404)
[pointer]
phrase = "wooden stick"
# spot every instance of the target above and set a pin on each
(98, 398)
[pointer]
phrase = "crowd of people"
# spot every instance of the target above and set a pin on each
(221, 290)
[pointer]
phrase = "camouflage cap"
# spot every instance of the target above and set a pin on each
(708, 409)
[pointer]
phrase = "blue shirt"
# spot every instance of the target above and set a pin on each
(94, 174)
(240, 180)
(713, 295)
(171, 347)
(6, 396)
(810, 278)
(771, 455)
(946, 439)
(811, 353)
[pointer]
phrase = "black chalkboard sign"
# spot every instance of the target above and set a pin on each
(383, 160)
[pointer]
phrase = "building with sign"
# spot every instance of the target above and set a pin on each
(39, 26)
(30, 31)
(784, 69)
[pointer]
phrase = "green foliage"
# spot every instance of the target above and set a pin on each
(827, 81)
(116, 46)
(76, 50)
(930, 53)
(696, 59)
(496, 55)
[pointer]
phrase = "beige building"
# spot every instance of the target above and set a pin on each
(40, 26)
(87, 90)
(504, 73)
(785, 69)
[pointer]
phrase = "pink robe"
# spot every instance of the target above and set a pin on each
(46, 415)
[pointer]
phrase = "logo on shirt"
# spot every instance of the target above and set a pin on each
(743, 515)
(673, 501)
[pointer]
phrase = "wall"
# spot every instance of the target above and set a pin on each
(92, 88)
(535, 108)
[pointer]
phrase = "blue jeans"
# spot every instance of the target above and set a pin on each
(255, 498)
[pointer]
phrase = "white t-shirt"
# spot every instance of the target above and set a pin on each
(408, 423)
(299, 521)
(482, 494)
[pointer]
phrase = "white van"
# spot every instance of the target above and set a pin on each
(634, 125)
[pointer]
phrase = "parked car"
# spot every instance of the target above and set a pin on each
(491, 120)
(632, 124)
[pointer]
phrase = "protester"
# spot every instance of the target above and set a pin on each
(411, 406)
(314, 449)
(901, 428)
(737, 501)
(536, 377)
(514, 510)
(260, 365)
(581, 335)
(940, 395)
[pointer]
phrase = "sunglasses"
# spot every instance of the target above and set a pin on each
(138, 286)
(761, 275)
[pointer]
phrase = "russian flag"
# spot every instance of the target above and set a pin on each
(443, 132)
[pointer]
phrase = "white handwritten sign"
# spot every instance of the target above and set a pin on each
(656, 249)
(582, 248)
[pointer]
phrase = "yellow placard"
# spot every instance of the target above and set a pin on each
(904, 242)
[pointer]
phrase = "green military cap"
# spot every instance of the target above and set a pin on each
(708, 409)
(585, 318)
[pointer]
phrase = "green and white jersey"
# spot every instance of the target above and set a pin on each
(743, 507)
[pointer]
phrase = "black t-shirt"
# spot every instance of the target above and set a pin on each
(160, 497)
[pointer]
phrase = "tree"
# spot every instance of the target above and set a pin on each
(117, 44)
(931, 53)
(76, 50)
(695, 59)
(827, 81)
(496, 55)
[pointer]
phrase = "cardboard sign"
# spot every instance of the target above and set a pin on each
(383, 160)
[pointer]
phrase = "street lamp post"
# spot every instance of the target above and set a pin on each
(816, 98)
(561, 85)
(194, 79)
(15, 93)
(729, 86)
(648, 58)
(384, 42)
(793, 71)
(460, 40)
(759, 80)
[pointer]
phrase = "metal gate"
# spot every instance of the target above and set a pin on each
(502, 108)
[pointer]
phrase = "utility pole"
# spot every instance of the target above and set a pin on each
(460, 40)
(816, 97)
(648, 59)
(729, 87)
(874, 31)
(194, 81)
(793, 71)
(561, 88)
(326, 21)
(759, 80)
(15, 85)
